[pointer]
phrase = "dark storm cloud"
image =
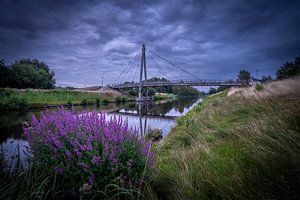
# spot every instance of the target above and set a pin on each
(85, 40)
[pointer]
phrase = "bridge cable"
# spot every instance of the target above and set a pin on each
(173, 64)
(128, 69)
(132, 70)
(159, 67)
(133, 67)
(128, 66)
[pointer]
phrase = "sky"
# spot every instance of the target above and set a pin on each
(85, 41)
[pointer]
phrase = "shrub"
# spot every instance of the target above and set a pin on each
(5, 93)
(105, 101)
(97, 101)
(154, 134)
(118, 99)
(84, 102)
(133, 92)
(157, 98)
(259, 87)
(69, 101)
(151, 91)
(121, 99)
(88, 151)
(17, 103)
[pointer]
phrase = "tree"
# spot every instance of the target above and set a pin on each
(244, 75)
(266, 78)
(5, 73)
(212, 90)
(47, 78)
(133, 92)
(185, 90)
(151, 91)
(289, 69)
(26, 74)
(22, 76)
(222, 88)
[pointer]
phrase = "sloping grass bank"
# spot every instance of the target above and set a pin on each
(242, 146)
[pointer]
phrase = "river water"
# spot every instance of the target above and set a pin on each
(157, 115)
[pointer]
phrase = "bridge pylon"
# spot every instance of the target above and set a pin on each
(143, 68)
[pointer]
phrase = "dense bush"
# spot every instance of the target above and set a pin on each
(105, 101)
(133, 92)
(5, 92)
(88, 151)
(185, 90)
(69, 101)
(259, 87)
(97, 101)
(17, 103)
(84, 102)
(121, 99)
(212, 90)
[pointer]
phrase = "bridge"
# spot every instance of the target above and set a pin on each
(146, 83)
(180, 83)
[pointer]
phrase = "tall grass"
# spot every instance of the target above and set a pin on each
(236, 147)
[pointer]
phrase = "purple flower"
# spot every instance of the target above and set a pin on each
(91, 179)
(84, 166)
(87, 139)
(58, 170)
(96, 160)
(68, 153)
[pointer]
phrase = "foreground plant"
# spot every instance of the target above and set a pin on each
(87, 152)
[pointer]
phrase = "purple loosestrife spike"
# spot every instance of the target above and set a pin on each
(59, 170)
(96, 160)
(84, 166)
(92, 178)
(87, 139)
(68, 153)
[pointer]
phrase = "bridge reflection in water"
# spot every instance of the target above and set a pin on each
(150, 115)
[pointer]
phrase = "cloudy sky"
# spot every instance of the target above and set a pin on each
(83, 41)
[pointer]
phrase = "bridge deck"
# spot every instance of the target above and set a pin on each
(181, 83)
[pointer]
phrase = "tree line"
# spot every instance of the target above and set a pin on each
(287, 70)
(26, 73)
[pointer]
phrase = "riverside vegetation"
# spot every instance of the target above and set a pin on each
(242, 145)
(30, 98)
(79, 155)
(237, 144)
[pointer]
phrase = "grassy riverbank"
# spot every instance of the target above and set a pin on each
(27, 98)
(18, 98)
(242, 146)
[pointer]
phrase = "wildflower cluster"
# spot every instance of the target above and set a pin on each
(87, 149)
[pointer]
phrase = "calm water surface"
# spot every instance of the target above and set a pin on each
(161, 115)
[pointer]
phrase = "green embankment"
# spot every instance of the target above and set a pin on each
(13, 98)
(242, 146)
(22, 98)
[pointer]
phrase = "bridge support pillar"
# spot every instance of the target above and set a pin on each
(143, 67)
